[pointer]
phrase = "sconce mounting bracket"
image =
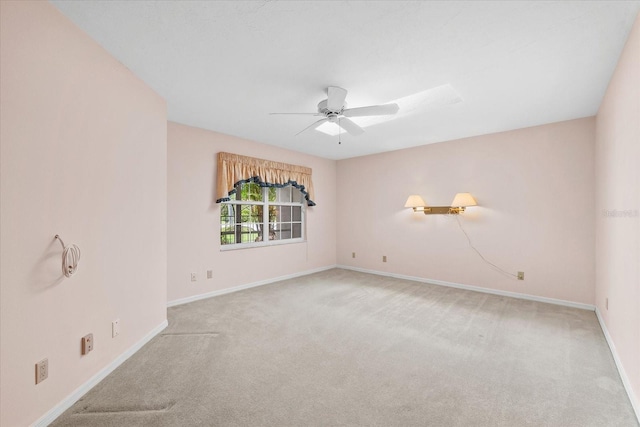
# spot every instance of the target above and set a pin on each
(442, 210)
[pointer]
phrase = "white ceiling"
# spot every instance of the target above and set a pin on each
(224, 65)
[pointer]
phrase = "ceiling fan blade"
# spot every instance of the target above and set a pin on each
(373, 110)
(300, 114)
(313, 125)
(350, 126)
(335, 98)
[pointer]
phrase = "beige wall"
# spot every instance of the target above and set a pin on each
(83, 154)
(534, 189)
(618, 189)
(194, 217)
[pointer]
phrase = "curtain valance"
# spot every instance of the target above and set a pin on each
(234, 169)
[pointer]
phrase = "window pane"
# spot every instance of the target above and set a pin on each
(296, 195)
(249, 191)
(297, 213)
(285, 213)
(272, 194)
(227, 221)
(240, 224)
(296, 230)
(250, 233)
(226, 214)
(227, 235)
(274, 213)
(281, 231)
(275, 230)
(283, 194)
(250, 213)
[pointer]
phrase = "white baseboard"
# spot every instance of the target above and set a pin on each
(247, 286)
(475, 288)
(66, 403)
(621, 371)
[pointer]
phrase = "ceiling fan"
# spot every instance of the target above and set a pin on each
(334, 111)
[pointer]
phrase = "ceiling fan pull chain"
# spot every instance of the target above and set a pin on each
(339, 128)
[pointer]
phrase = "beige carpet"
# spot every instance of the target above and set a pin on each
(341, 348)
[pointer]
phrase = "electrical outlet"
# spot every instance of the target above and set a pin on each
(42, 370)
(87, 343)
(520, 275)
(606, 303)
(353, 254)
(194, 277)
(209, 274)
(115, 328)
(384, 258)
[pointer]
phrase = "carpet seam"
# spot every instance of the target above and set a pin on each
(85, 387)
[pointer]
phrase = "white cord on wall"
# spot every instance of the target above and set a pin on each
(479, 254)
(70, 258)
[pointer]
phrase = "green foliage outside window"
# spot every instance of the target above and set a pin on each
(244, 223)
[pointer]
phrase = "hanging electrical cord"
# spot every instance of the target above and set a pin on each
(479, 254)
(70, 258)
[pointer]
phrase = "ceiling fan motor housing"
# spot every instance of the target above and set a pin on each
(331, 115)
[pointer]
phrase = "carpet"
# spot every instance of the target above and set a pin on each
(343, 348)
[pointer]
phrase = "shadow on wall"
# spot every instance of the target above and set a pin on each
(47, 270)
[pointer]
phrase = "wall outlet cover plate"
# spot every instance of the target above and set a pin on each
(87, 343)
(42, 370)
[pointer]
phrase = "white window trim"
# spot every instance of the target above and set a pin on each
(265, 220)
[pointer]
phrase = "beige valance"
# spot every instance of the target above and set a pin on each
(234, 169)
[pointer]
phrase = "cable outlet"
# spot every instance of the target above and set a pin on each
(42, 370)
(209, 274)
(115, 328)
(384, 258)
(194, 277)
(353, 254)
(87, 343)
(520, 275)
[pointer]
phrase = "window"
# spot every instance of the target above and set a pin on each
(261, 216)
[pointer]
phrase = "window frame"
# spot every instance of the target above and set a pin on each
(265, 203)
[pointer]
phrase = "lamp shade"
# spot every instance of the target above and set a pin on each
(415, 201)
(462, 200)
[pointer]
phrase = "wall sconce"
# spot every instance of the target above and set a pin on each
(460, 202)
(414, 201)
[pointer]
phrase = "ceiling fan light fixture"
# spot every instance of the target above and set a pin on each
(329, 128)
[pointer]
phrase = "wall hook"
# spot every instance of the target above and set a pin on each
(70, 257)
